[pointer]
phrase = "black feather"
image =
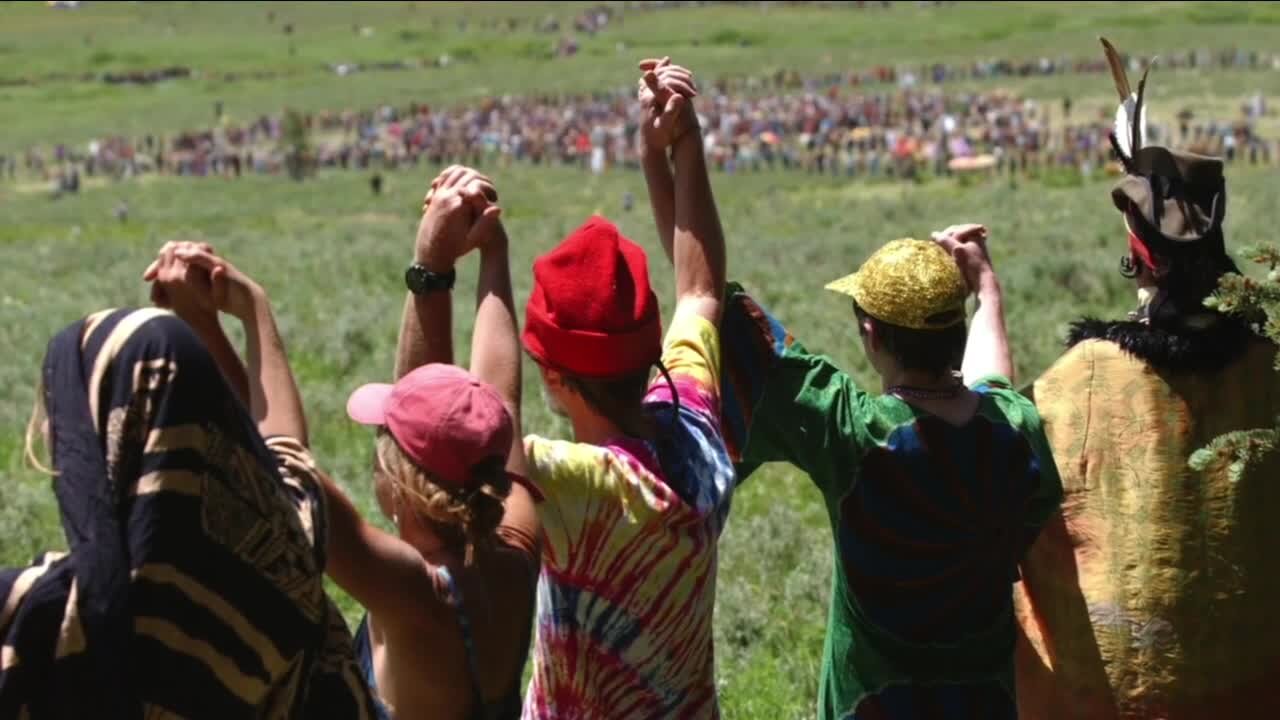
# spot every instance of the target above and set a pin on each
(1136, 133)
(1125, 160)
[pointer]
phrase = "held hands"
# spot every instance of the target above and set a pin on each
(460, 214)
(968, 245)
(666, 93)
(190, 279)
(181, 287)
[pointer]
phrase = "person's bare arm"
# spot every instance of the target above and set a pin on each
(987, 350)
(495, 358)
(383, 573)
(274, 400)
(665, 115)
(445, 234)
(185, 289)
(698, 241)
(426, 327)
(662, 195)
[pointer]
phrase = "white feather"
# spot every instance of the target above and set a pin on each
(1124, 126)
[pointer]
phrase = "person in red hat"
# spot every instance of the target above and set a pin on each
(636, 501)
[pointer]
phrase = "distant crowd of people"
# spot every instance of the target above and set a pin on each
(893, 122)
(756, 124)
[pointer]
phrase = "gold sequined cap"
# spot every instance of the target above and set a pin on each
(911, 283)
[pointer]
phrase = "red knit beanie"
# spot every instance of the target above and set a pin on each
(592, 312)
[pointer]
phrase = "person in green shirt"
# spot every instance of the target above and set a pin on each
(934, 488)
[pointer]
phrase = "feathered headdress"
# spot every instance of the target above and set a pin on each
(1130, 132)
(1170, 198)
(1173, 204)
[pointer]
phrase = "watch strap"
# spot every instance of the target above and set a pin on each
(421, 281)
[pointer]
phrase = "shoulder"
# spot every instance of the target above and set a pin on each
(1071, 376)
(1010, 405)
(552, 461)
(1087, 366)
(692, 337)
(562, 452)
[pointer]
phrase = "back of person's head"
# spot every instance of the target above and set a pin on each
(443, 441)
(911, 294)
(594, 322)
(459, 515)
(1174, 205)
(935, 352)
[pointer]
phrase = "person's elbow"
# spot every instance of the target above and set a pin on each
(702, 302)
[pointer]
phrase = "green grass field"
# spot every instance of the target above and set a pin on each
(331, 255)
(220, 38)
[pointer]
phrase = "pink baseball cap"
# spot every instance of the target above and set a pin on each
(444, 418)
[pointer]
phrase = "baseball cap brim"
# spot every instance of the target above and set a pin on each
(847, 285)
(368, 404)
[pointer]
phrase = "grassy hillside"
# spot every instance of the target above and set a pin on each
(331, 254)
(53, 49)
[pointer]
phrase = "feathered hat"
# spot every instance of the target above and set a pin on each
(1172, 201)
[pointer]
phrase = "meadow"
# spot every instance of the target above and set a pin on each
(331, 254)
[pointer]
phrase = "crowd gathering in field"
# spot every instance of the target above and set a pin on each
(882, 123)
(1000, 552)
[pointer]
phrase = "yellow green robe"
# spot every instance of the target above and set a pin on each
(1169, 606)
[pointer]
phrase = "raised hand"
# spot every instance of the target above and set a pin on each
(968, 245)
(665, 96)
(460, 214)
(181, 287)
(229, 290)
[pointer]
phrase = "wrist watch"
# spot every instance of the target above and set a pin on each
(422, 281)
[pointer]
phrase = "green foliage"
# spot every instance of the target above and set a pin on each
(463, 53)
(102, 57)
(1258, 301)
(733, 37)
(1062, 177)
(295, 141)
(1255, 300)
(1237, 450)
(1219, 14)
(537, 50)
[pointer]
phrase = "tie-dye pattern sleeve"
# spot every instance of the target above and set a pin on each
(578, 483)
(691, 354)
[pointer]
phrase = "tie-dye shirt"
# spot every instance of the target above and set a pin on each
(627, 587)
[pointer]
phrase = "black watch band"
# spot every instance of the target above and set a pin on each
(421, 281)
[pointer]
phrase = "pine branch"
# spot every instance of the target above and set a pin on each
(1258, 303)
(1239, 451)
(1255, 301)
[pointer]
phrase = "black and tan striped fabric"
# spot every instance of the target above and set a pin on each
(192, 587)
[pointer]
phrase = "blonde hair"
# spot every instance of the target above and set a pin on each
(37, 434)
(467, 516)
